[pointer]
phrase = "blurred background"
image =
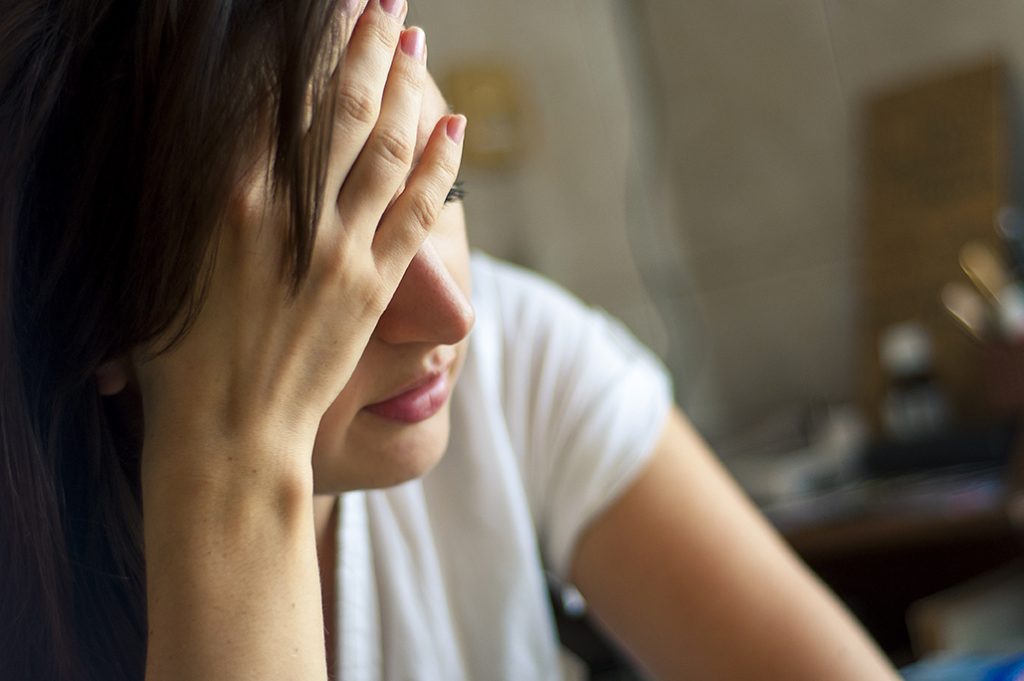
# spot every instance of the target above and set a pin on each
(807, 208)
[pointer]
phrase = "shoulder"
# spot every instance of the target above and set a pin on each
(543, 340)
(530, 316)
(579, 400)
(503, 291)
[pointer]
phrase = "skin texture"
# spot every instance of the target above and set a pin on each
(686, 573)
(681, 568)
(233, 411)
(425, 325)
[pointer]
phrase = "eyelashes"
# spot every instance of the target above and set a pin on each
(456, 193)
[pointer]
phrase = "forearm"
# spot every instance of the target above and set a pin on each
(232, 580)
(686, 572)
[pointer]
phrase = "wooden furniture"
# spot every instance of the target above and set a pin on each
(891, 555)
(936, 174)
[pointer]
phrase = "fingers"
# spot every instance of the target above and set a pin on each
(361, 75)
(384, 162)
(409, 220)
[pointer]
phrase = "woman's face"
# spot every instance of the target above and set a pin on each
(390, 423)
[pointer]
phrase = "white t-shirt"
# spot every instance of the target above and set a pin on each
(555, 412)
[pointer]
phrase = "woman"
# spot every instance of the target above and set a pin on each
(235, 279)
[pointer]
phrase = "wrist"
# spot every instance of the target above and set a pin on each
(192, 464)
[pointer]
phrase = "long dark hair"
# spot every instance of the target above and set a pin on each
(123, 129)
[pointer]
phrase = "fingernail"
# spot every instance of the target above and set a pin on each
(392, 7)
(456, 128)
(412, 42)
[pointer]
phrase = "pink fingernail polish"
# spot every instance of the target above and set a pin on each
(392, 7)
(412, 42)
(456, 128)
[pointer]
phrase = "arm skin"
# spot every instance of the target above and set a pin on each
(688, 575)
(232, 581)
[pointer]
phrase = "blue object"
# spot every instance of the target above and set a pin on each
(967, 668)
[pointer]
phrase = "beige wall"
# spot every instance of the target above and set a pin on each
(752, 130)
(761, 115)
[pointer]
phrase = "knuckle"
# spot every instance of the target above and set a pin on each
(332, 261)
(424, 210)
(356, 105)
(448, 165)
(361, 297)
(374, 300)
(365, 295)
(394, 148)
(408, 75)
(382, 34)
(333, 264)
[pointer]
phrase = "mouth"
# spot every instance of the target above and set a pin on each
(416, 402)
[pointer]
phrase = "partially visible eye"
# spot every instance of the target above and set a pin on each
(456, 193)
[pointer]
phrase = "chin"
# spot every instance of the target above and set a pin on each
(379, 454)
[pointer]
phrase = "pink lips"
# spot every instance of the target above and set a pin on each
(416, 404)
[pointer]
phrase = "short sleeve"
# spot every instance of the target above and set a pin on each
(585, 403)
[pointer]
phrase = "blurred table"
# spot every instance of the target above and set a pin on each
(881, 545)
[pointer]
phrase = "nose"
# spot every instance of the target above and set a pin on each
(429, 306)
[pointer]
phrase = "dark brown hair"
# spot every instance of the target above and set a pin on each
(122, 130)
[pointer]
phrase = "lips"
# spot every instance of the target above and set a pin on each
(417, 402)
